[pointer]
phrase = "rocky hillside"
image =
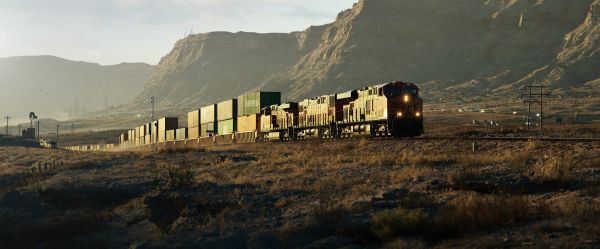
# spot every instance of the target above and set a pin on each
(461, 47)
(58, 88)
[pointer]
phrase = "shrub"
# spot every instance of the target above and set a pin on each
(533, 144)
(405, 244)
(553, 169)
(178, 176)
(327, 214)
(475, 212)
(458, 178)
(392, 223)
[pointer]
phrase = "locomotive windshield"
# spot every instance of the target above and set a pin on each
(395, 91)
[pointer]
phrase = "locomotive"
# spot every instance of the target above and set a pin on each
(392, 109)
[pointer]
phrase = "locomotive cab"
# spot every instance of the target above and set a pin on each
(405, 109)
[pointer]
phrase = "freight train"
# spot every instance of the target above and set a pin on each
(391, 109)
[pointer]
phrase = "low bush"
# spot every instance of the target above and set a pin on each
(399, 222)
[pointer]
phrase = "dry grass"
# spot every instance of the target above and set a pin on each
(416, 193)
(553, 169)
(466, 213)
(583, 211)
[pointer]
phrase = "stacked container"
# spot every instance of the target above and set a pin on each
(137, 136)
(193, 124)
(227, 117)
(181, 133)
(142, 135)
(153, 131)
(170, 136)
(164, 125)
(208, 118)
(250, 106)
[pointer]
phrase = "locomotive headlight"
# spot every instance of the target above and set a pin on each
(406, 98)
(399, 114)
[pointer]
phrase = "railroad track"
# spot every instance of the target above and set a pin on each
(432, 138)
(507, 138)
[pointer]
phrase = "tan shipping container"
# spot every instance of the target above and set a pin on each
(170, 135)
(194, 133)
(248, 123)
(208, 114)
(193, 119)
(181, 134)
(164, 125)
(227, 110)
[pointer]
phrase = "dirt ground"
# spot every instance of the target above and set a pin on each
(310, 194)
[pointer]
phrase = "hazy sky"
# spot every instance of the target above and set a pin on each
(114, 31)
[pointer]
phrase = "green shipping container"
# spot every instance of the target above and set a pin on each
(227, 127)
(252, 103)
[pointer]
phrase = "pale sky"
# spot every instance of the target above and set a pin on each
(114, 31)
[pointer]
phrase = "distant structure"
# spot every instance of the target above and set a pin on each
(30, 133)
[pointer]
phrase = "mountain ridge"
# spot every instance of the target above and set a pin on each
(450, 48)
(54, 87)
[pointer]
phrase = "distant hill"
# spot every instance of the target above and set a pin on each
(59, 88)
(450, 48)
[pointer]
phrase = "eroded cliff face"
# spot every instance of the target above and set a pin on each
(576, 68)
(207, 67)
(460, 46)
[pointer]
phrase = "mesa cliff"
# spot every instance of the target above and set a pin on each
(450, 48)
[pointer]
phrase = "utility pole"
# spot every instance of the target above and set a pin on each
(57, 127)
(72, 128)
(535, 94)
(7, 118)
(38, 130)
(19, 132)
(152, 120)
